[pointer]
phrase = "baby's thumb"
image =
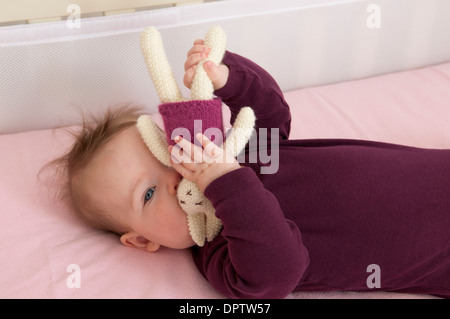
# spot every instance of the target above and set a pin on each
(214, 74)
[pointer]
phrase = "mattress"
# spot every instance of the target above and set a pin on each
(48, 253)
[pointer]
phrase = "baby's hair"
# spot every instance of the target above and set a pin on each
(88, 139)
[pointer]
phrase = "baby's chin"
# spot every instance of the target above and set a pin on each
(185, 240)
(188, 243)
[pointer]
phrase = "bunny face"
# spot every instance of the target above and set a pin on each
(191, 199)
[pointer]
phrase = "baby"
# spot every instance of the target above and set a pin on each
(336, 215)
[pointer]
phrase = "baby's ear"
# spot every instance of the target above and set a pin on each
(134, 240)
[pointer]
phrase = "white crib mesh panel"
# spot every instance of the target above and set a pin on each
(304, 43)
(46, 80)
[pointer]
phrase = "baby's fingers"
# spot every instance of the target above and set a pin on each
(191, 152)
(184, 165)
(197, 48)
(189, 76)
(195, 58)
(182, 170)
(199, 41)
(178, 156)
(196, 54)
(212, 153)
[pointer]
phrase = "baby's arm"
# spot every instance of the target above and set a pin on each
(260, 253)
(250, 85)
(240, 82)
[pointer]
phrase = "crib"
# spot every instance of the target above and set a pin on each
(367, 69)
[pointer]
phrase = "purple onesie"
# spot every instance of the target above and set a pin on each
(337, 215)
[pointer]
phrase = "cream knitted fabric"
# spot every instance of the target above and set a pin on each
(241, 132)
(202, 88)
(158, 66)
(202, 222)
(154, 140)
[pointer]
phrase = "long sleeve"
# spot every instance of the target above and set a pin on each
(319, 222)
(259, 254)
(250, 85)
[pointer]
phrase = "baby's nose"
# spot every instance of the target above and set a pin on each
(173, 184)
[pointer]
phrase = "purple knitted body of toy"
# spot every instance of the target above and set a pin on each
(193, 117)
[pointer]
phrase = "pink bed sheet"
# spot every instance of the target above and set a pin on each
(42, 243)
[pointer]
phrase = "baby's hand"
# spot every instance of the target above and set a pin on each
(217, 74)
(201, 165)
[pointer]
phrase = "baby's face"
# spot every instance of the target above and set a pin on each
(138, 191)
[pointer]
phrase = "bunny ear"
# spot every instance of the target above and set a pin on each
(158, 66)
(153, 138)
(202, 88)
(241, 132)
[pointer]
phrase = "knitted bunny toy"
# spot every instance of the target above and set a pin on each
(202, 222)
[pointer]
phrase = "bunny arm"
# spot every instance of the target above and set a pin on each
(153, 138)
(241, 132)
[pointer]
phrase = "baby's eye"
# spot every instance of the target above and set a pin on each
(149, 194)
